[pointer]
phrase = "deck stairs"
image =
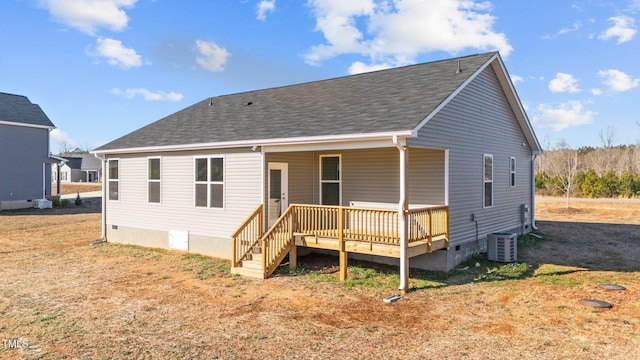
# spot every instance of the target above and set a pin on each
(258, 254)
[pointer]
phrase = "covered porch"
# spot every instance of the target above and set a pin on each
(346, 199)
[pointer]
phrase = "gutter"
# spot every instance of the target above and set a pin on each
(259, 143)
(402, 212)
(533, 192)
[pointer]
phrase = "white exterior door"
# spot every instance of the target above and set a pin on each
(278, 196)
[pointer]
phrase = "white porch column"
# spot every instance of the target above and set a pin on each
(402, 213)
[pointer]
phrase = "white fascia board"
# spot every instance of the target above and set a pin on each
(516, 105)
(58, 158)
(453, 94)
(282, 143)
(12, 123)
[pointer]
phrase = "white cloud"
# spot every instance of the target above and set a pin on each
(516, 79)
(618, 81)
(564, 83)
(359, 67)
(60, 137)
(89, 15)
(569, 114)
(575, 27)
(566, 30)
(148, 95)
(264, 7)
(211, 56)
(596, 91)
(395, 32)
(623, 28)
(115, 53)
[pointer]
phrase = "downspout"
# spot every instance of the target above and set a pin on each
(44, 180)
(103, 230)
(402, 214)
(533, 192)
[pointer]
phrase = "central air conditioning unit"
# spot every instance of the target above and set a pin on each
(502, 247)
(42, 204)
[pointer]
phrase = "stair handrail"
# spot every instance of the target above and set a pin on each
(245, 239)
(275, 248)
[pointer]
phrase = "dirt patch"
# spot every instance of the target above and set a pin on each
(66, 299)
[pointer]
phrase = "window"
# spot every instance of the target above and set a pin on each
(153, 180)
(209, 182)
(488, 180)
(330, 193)
(64, 176)
(114, 178)
(512, 171)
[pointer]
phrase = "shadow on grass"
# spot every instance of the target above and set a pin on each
(562, 249)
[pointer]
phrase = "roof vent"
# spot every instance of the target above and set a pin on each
(249, 103)
(458, 71)
(210, 101)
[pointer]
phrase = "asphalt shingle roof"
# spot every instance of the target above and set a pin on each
(383, 101)
(18, 109)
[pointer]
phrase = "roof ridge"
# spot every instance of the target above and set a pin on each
(349, 75)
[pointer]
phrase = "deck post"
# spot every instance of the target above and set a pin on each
(293, 255)
(402, 213)
(344, 257)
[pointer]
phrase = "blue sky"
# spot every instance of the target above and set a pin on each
(103, 68)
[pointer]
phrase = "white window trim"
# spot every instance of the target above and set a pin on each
(109, 180)
(513, 179)
(339, 181)
(209, 182)
(484, 181)
(159, 181)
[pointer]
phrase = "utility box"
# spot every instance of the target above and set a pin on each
(502, 247)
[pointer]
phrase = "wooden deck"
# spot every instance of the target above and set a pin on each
(345, 229)
(416, 248)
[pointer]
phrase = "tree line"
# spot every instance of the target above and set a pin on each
(603, 172)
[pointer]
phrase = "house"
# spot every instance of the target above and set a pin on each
(413, 165)
(25, 171)
(79, 167)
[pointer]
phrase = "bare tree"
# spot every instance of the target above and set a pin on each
(607, 136)
(64, 146)
(562, 164)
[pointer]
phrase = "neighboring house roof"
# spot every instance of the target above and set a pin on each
(18, 109)
(392, 102)
(74, 162)
(84, 162)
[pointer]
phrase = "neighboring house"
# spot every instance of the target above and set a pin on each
(79, 167)
(418, 162)
(25, 171)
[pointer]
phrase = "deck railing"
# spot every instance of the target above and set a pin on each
(247, 237)
(427, 223)
(371, 225)
(277, 241)
(375, 226)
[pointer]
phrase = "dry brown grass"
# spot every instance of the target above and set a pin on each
(71, 300)
(73, 188)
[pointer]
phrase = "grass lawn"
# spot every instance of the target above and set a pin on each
(62, 298)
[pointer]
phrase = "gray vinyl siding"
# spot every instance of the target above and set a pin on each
(370, 175)
(373, 175)
(300, 181)
(177, 211)
(480, 121)
(23, 150)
